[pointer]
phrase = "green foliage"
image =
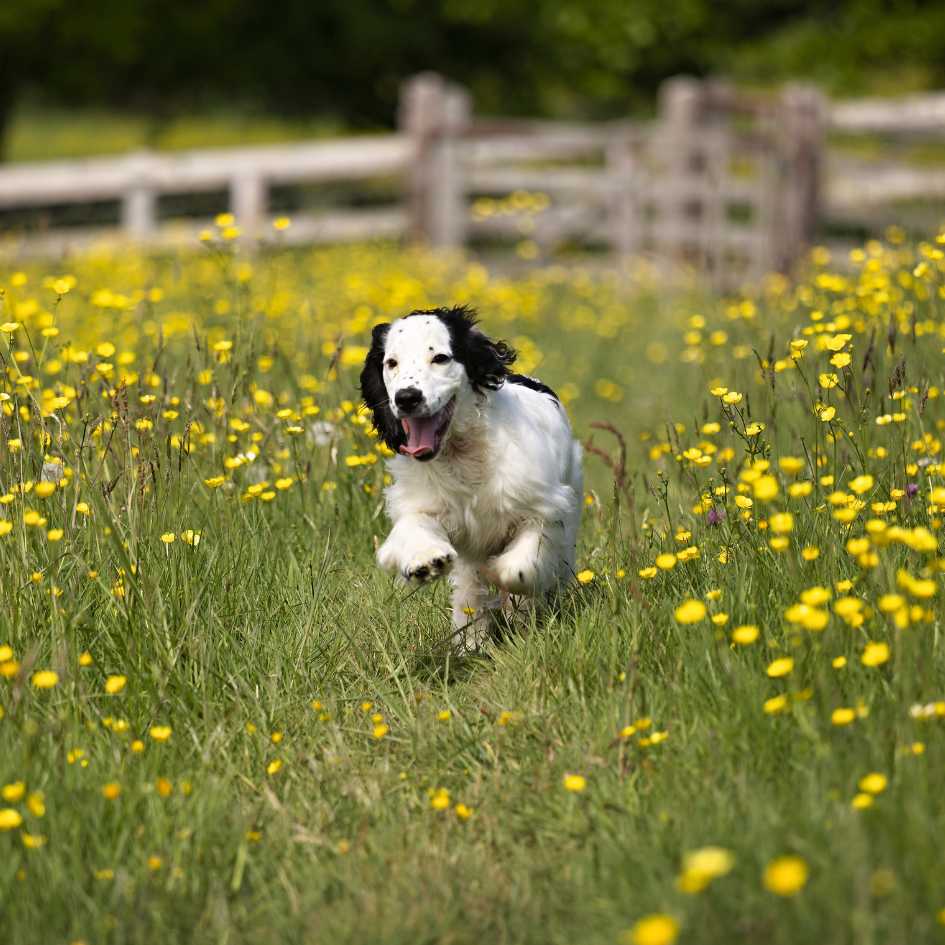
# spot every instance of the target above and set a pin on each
(40, 133)
(347, 60)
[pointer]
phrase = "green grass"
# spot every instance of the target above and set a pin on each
(45, 133)
(280, 604)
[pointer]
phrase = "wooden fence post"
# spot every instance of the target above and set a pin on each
(248, 204)
(419, 104)
(800, 138)
(623, 207)
(435, 115)
(139, 201)
(448, 198)
(677, 224)
(715, 161)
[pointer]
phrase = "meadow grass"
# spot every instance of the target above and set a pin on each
(221, 723)
(42, 133)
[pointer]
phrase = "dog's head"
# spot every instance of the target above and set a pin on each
(421, 368)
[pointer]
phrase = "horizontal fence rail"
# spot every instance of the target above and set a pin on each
(138, 180)
(191, 171)
(911, 114)
(876, 184)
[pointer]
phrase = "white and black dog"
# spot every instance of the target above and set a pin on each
(487, 477)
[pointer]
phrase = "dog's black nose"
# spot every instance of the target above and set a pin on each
(408, 398)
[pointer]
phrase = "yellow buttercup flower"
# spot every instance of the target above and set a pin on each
(843, 716)
(781, 523)
(873, 783)
(575, 783)
(875, 654)
(440, 799)
(45, 679)
(861, 484)
(14, 792)
(702, 866)
(690, 611)
(744, 635)
(655, 929)
(10, 818)
(765, 488)
(780, 667)
(786, 875)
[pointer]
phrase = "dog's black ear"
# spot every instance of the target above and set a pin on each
(486, 361)
(374, 392)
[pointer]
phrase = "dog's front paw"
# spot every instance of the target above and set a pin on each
(513, 572)
(429, 564)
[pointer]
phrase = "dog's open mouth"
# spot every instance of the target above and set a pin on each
(425, 434)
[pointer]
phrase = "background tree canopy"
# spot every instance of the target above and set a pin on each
(345, 60)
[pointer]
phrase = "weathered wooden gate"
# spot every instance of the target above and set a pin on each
(721, 181)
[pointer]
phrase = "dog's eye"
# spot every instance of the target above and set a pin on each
(441, 359)
(390, 363)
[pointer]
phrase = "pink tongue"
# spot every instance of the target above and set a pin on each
(421, 434)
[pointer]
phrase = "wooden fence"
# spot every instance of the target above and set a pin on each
(723, 182)
(729, 183)
(138, 180)
(876, 168)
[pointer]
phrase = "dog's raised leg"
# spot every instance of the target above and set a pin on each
(417, 549)
(530, 564)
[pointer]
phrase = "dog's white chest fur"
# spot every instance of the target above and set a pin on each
(513, 465)
(465, 490)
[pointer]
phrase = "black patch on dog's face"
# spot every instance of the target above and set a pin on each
(374, 391)
(486, 361)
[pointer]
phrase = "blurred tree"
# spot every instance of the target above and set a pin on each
(347, 57)
(72, 50)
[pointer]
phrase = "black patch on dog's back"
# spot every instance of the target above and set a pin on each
(533, 384)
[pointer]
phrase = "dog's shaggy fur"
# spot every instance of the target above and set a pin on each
(487, 477)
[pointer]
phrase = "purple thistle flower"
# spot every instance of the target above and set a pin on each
(912, 489)
(715, 515)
